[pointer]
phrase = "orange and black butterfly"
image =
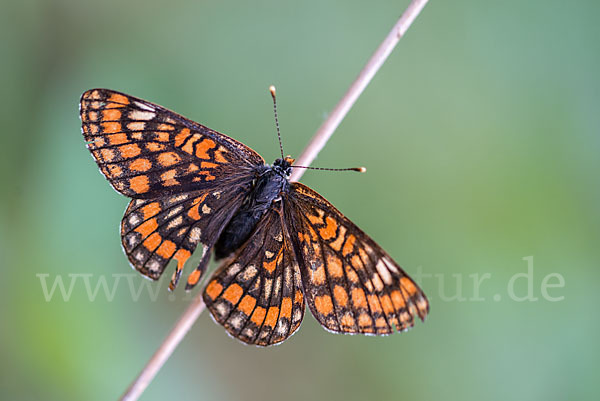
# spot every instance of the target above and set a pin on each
(282, 243)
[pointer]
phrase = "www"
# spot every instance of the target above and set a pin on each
(92, 292)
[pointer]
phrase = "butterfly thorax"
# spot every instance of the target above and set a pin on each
(267, 187)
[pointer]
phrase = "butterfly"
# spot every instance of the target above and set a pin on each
(282, 245)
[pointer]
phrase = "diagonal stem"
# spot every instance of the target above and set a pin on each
(196, 307)
(328, 127)
(183, 325)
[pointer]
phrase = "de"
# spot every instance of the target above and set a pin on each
(545, 285)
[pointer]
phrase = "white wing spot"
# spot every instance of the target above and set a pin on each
(390, 264)
(277, 286)
(297, 277)
(288, 277)
(234, 269)
(249, 273)
(178, 198)
(175, 222)
(383, 271)
(134, 219)
(221, 308)
(175, 211)
(141, 115)
(282, 328)
(205, 209)
(236, 322)
(195, 234)
(144, 106)
(268, 286)
(153, 265)
(132, 240)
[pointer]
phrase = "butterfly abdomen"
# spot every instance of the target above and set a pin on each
(267, 188)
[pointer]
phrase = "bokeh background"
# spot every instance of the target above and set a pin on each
(481, 138)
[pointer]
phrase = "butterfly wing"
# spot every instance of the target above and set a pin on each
(257, 295)
(154, 231)
(146, 151)
(351, 284)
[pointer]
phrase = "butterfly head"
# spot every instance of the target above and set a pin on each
(284, 165)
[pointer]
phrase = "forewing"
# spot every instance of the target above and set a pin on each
(257, 294)
(154, 231)
(351, 284)
(147, 151)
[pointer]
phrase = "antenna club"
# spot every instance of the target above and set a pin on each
(361, 169)
(272, 90)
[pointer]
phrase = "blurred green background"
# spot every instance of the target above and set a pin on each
(481, 138)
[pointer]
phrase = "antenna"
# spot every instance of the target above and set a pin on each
(273, 95)
(359, 169)
(272, 90)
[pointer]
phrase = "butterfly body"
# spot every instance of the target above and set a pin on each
(283, 245)
(270, 183)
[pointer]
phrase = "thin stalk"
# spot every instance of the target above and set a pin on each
(319, 140)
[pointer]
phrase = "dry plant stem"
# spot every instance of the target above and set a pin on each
(183, 325)
(317, 143)
(325, 131)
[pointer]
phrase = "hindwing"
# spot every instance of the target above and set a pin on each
(257, 294)
(351, 284)
(154, 231)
